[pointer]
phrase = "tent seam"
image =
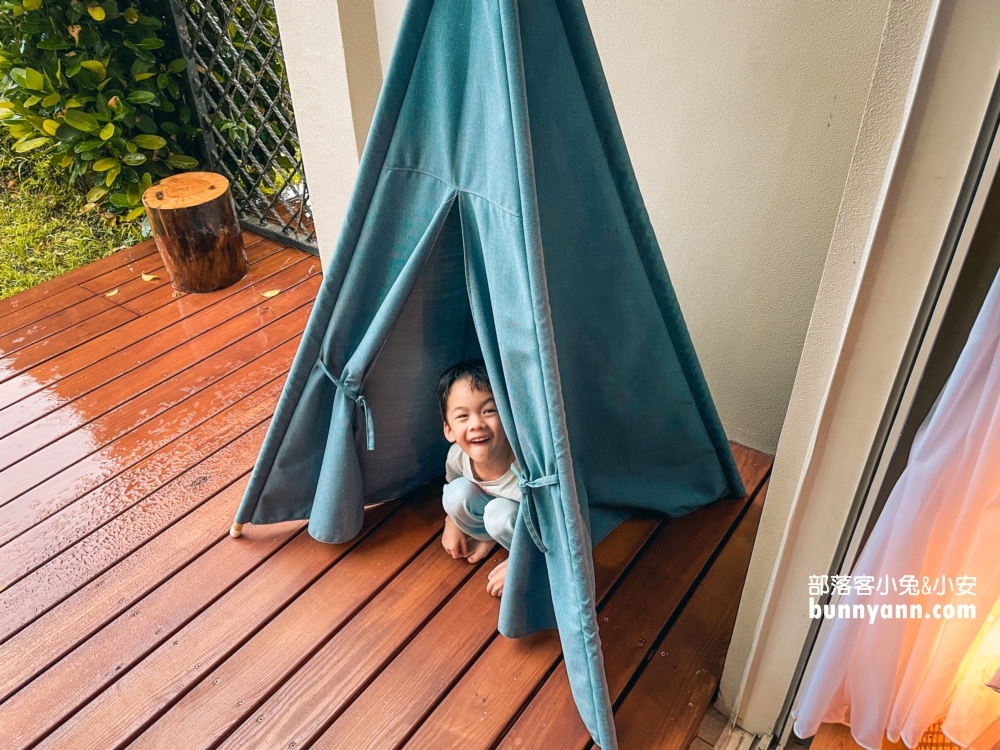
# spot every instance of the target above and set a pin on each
(545, 341)
(453, 187)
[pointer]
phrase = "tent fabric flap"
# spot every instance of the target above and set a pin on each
(496, 214)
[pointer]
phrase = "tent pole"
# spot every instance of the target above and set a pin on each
(235, 530)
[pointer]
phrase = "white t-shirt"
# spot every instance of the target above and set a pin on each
(458, 465)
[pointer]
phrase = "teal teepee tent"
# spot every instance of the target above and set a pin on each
(496, 213)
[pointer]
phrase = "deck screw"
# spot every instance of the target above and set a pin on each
(260, 718)
(642, 641)
(215, 681)
(121, 601)
(242, 702)
(605, 619)
(663, 653)
(197, 666)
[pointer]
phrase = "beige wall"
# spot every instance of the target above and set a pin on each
(933, 82)
(741, 118)
(334, 74)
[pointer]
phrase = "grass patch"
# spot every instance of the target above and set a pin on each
(44, 230)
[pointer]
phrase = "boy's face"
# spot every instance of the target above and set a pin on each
(472, 421)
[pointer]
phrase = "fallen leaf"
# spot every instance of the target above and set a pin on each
(111, 293)
(149, 277)
(271, 293)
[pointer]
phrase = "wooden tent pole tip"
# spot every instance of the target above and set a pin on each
(236, 530)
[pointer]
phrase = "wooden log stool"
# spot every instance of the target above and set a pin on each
(193, 219)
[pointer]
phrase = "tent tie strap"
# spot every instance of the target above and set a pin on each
(528, 501)
(356, 398)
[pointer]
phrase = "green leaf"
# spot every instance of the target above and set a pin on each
(135, 213)
(171, 128)
(103, 165)
(107, 131)
(96, 193)
(111, 9)
(51, 100)
(112, 175)
(134, 194)
(7, 113)
(30, 144)
(144, 76)
(96, 12)
(134, 160)
(142, 97)
(146, 182)
(81, 121)
(151, 43)
(33, 79)
(89, 145)
(120, 200)
(162, 81)
(31, 4)
(55, 44)
(131, 15)
(150, 142)
(146, 124)
(177, 66)
(31, 101)
(20, 130)
(67, 133)
(7, 105)
(148, 22)
(51, 127)
(180, 161)
(95, 66)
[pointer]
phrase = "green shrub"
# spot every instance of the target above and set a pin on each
(97, 89)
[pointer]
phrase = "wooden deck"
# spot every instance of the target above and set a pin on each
(129, 420)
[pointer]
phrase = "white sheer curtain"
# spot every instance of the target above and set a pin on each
(941, 523)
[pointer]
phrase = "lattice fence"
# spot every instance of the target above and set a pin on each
(240, 91)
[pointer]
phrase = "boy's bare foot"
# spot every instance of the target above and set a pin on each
(478, 549)
(496, 578)
(454, 540)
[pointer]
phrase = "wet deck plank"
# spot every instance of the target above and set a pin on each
(128, 617)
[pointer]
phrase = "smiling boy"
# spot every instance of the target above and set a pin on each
(482, 495)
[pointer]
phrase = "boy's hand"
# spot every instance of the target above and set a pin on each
(453, 540)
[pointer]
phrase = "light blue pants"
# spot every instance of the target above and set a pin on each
(479, 514)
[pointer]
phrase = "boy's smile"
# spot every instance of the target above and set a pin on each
(473, 422)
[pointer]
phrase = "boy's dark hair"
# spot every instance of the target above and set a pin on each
(474, 369)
